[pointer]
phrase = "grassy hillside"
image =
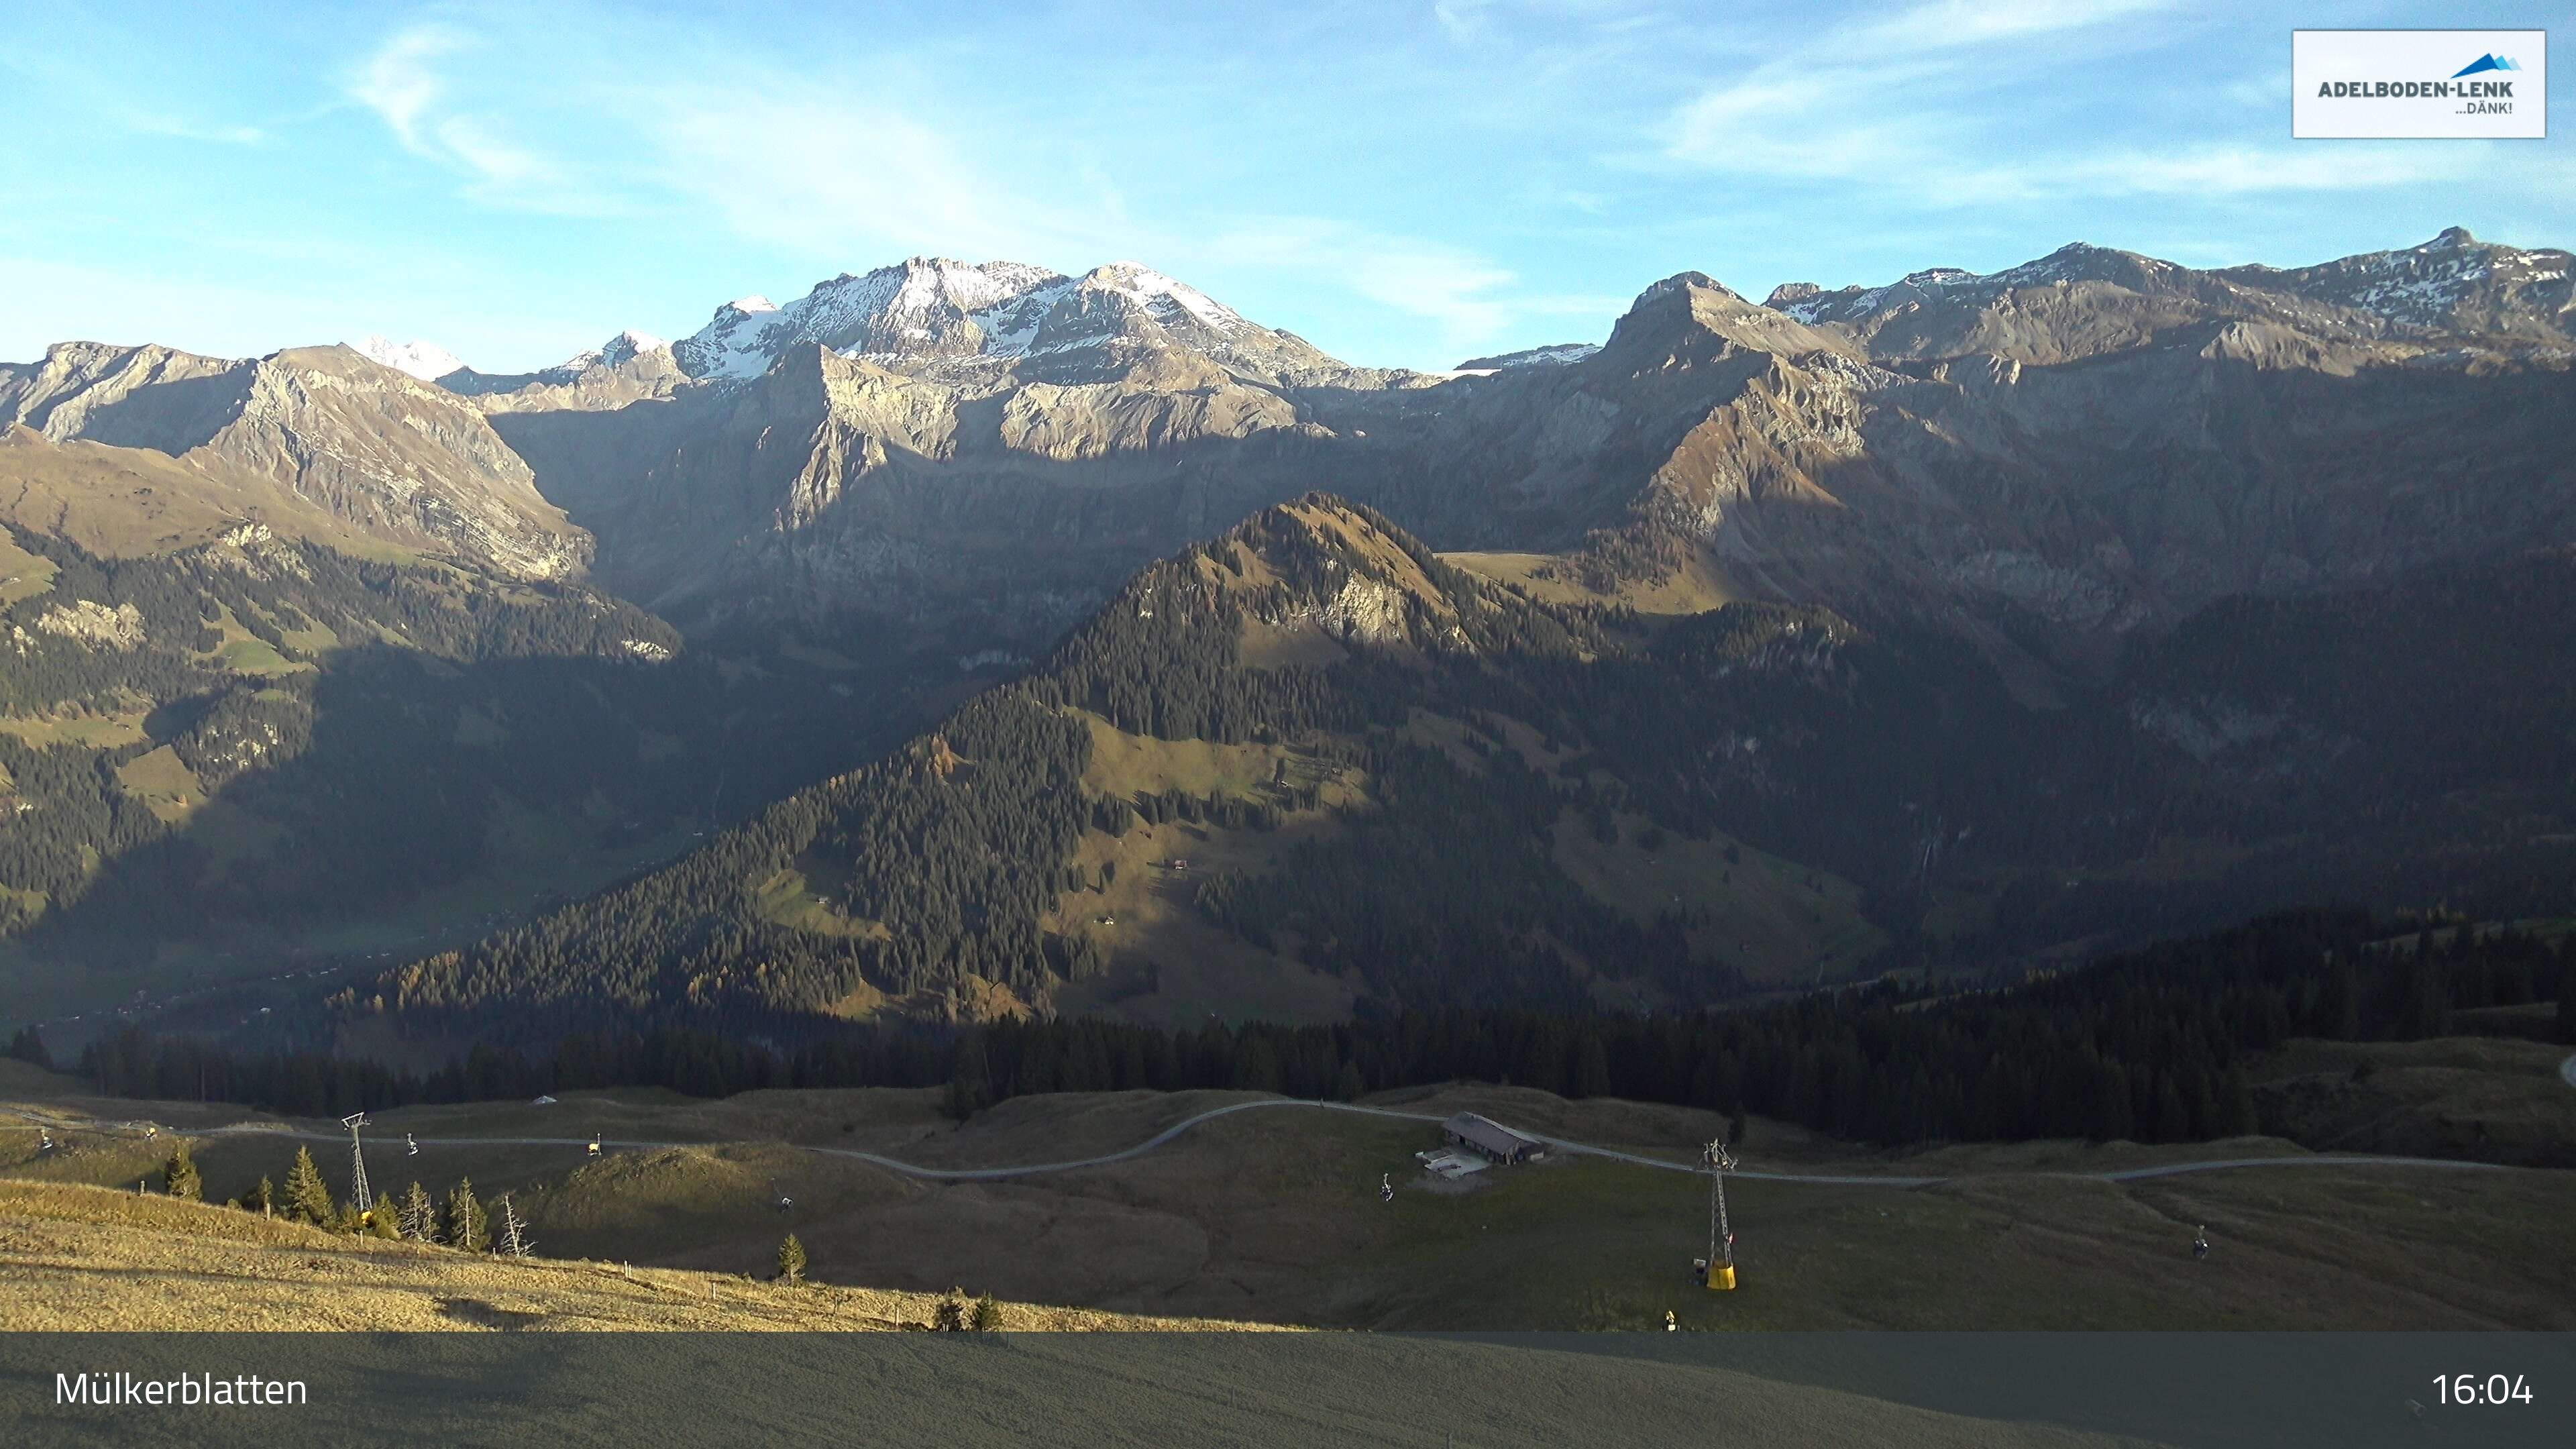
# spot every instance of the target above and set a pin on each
(1273, 1216)
(2469, 1097)
(89, 1258)
(244, 748)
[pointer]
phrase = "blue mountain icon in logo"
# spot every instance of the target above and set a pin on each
(2484, 63)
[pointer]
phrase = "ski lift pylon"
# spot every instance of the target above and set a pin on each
(1719, 1265)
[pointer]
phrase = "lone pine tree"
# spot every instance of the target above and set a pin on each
(179, 1175)
(791, 1260)
(466, 1227)
(307, 1199)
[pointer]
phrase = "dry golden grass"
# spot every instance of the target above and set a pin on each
(89, 1258)
(131, 501)
(23, 575)
(1695, 588)
(162, 784)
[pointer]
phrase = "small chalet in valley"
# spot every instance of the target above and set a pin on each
(1489, 1138)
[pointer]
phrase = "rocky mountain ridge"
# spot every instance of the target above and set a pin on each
(397, 459)
(2071, 449)
(934, 313)
(2068, 450)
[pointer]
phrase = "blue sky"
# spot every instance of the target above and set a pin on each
(1402, 184)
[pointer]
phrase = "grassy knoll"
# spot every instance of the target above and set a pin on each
(1123, 766)
(161, 783)
(1695, 588)
(2486, 1098)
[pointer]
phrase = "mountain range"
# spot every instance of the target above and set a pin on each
(2059, 539)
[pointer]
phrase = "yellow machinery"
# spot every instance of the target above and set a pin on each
(1720, 1262)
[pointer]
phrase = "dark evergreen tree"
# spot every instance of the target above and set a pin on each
(179, 1175)
(970, 1084)
(28, 1045)
(307, 1199)
(1591, 1068)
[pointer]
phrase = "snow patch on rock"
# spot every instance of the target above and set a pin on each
(424, 360)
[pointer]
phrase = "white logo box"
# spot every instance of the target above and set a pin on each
(2461, 85)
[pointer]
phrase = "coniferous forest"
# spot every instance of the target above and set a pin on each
(371, 730)
(2151, 1046)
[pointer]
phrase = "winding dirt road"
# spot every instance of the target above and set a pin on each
(1181, 1128)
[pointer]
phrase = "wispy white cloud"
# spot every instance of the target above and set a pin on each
(1921, 103)
(1462, 292)
(851, 175)
(401, 80)
(1463, 19)
(830, 174)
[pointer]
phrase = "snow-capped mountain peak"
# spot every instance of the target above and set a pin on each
(623, 348)
(2454, 282)
(1560, 354)
(424, 360)
(1167, 300)
(730, 344)
(940, 312)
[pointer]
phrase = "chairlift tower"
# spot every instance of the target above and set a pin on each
(1720, 1263)
(358, 1195)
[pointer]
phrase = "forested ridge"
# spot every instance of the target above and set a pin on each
(1895, 756)
(2153, 1046)
(229, 655)
(1440, 887)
